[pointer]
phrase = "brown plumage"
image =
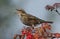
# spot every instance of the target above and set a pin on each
(30, 20)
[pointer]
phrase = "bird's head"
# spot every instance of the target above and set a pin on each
(21, 12)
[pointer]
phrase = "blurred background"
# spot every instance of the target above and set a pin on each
(9, 20)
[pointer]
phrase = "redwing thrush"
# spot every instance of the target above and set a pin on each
(30, 20)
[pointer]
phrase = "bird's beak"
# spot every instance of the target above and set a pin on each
(17, 11)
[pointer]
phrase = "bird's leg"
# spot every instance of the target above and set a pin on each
(33, 26)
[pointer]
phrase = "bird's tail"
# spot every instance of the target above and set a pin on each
(48, 22)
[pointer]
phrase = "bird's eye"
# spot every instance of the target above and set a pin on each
(22, 15)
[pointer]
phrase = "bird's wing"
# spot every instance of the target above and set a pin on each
(34, 18)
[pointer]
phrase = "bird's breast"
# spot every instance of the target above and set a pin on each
(24, 19)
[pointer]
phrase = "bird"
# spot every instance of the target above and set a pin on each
(28, 19)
